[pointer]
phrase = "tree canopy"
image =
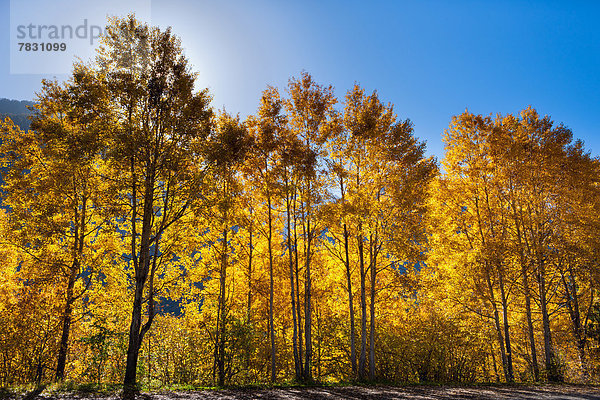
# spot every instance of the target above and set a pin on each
(149, 239)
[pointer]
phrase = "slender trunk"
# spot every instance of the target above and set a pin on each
(494, 363)
(551, 364)
(297, 368)
(581, 343)
(572, 301)
(250, 256)
(350, 301)
(373, 266)
(271, 327)
(505, 363)
(498, 328)
(298, 303)
(319, 342)
(307, 286)
(74, 271)
(530, 331)
(248, 346)
(363, 309)
(307, 308)
(66, 325)
(131, 366)
(579, 326)
(297, 277)
(527, 295)
(134, 334)
(503, 298)
(222, 315)
(141, 275)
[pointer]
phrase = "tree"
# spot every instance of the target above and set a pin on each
(474, 215)
(160, 121)
(504, 212)
(386, 173)
(310, 110)
(267, 130)
(339, 210)
(227, 147)
(577, 246)
(55, 192)
(290, 153)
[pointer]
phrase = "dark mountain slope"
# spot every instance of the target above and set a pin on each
(17, 111)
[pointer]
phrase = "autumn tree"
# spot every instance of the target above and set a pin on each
(267, 129)
(160, 120)
(549, 171)
(55, 191)
(474, 214)
(577, 247)
(310, 110)
(227, 147)
(291, 155)
(385, 172)
(503, 213)
(339, 209)
(507, 147)
(144, 238)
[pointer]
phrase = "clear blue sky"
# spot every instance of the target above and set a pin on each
(431, 59)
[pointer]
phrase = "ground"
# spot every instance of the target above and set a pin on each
(552, 392)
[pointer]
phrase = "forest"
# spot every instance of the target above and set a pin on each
(149, 239)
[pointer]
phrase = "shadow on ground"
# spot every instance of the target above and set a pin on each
(547, 392)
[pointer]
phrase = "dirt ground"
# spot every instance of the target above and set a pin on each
(553, 392)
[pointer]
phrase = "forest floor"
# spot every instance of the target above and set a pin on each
(417, 392)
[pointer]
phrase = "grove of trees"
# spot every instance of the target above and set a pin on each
(147, 238)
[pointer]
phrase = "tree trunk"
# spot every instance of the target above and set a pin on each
(248, 345)
(221, 314)
(74, 271)
(495, 365)
(350, 302)
(271, 327)
(319, 341)
(579, 332)
(297, 367)
(503, 298)
(134, 334)
(373, 266)
(142, 268)
(250, 257)
(498, 328)
(552, 372)
(66, 325)
(298, 303)
(530, 331)
(527, 295)
(363, 310)
(135, 337)
(307, 310)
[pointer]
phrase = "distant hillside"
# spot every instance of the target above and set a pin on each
(17, 111)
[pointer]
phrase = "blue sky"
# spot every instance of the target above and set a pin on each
(431, 59)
